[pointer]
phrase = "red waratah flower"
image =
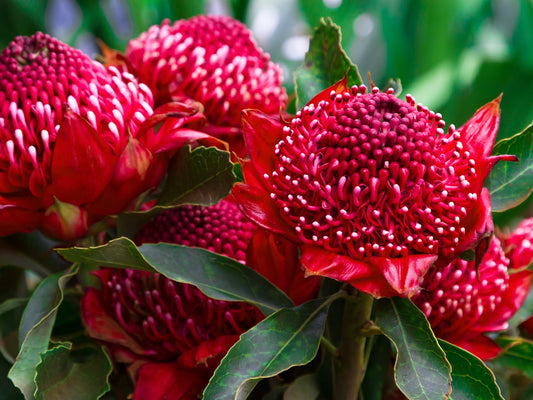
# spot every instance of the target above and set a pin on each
(171, 335)
(462, 303)
(76, 138)
(518, 247)
(371, 186)
(214, 61)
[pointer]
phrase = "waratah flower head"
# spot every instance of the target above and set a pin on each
(463, 303)
(210, 59)
(173, 330)
(518, 247)
(76, 139)
(372, 187)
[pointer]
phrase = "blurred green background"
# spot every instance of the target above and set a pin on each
(452, 55)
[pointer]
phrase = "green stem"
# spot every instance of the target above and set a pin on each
(330, 347)
(352, 358)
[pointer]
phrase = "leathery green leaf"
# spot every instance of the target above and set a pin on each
(36, 328)
(471, 378)
(325, 63)
(510, 183)
(63, 374)
(202, 176)
(215, 275)
(517, 353)
(421, 370)
(286, 338)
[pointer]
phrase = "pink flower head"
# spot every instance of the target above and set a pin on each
(518, 248)
(519, 245)
(212, 60)
(76, 138)
(463, 304)
(171, 334)
(371, 186)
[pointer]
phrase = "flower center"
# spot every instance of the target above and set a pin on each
(221, 228)
(367, 174)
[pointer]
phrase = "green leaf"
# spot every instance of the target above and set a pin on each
(63, 374)
(421, 370)
(344, 13)
(203, 176)
(36, 328)
(517, 353)
(471, 379)
(286, 338)
(215, 275)
(510, 183)
(325, 64)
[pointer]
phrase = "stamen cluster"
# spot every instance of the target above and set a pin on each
(168, 318)
(220, 228)
(461, 302)
(211, 59)
(367, 174)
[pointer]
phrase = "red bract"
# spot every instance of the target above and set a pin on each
(213, 60)
(462, 303)
(76, 139)
(171, 334)
(371, 186)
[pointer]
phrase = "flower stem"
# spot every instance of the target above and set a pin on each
(330, 347)
(352, 358)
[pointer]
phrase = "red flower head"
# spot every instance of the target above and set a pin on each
(76, 139)
(518, 248)
(173, 335)
(463, 304)
(371, 186)
(519, 245)
(213, 60)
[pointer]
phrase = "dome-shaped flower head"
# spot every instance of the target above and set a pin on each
(463, 303)
(171, 334)
(371, 186)
(76, 138)
(213, 60)
(518, 247)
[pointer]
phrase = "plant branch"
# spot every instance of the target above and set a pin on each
(330, 347)
(352, 360)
